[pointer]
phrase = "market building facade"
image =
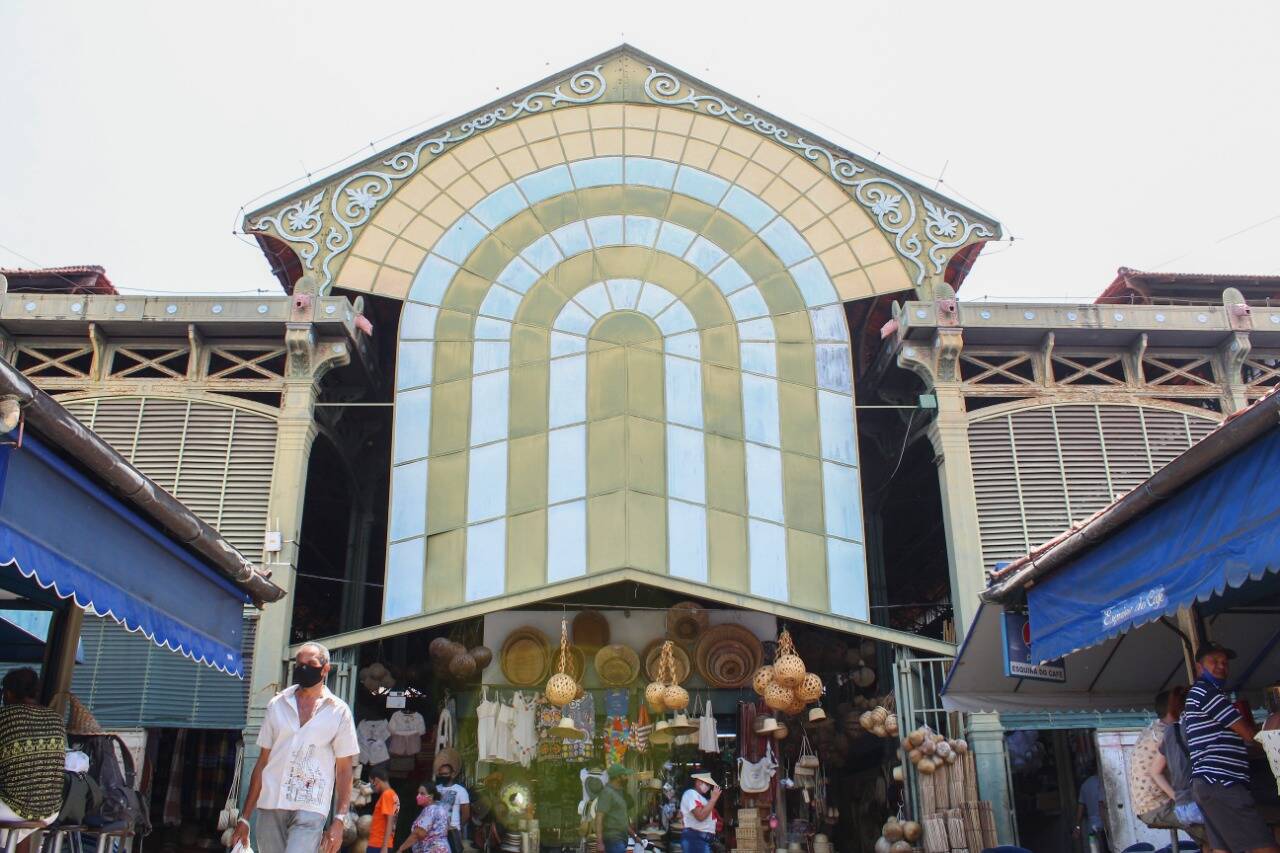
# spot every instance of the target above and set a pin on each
(635, 342)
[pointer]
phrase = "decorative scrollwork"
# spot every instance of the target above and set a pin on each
(894, 207)
(355, 198)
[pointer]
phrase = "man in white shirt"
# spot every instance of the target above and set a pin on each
(308, 739)
(455, 798)
(697, 808)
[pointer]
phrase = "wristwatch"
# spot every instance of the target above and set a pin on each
(341, 817)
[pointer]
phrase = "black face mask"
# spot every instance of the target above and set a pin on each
(443, 781)
(308, 676)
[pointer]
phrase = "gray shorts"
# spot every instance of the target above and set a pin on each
(288, 831)
(1231, 816)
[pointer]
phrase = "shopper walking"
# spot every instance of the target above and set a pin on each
(613, 820)
(697, 807)
(456, 800)
(382, 829)
(1216, 734)
(1171, 770)
(308, 741)
(430, 832)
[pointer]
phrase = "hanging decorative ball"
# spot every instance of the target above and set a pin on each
(810, 688)
(462, 666)
(788, 670)
(796, 708)
(778, 697)
(675, 697)
(483, 656)
(653, 694)
(762, 678)
(440, 649)
(561, 688)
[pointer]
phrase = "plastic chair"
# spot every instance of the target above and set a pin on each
(64, 832)
(1140, 847)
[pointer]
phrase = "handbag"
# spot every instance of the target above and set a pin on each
(754, 777)
(230, 814)
(807, 763)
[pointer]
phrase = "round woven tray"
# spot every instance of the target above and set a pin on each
(526, 657)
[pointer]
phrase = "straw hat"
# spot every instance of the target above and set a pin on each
(81, 722)
(680, 725)
(685, 621)
(449, 756)
(704, 777)
(618, 665)
(816, 714)
(661, 732)
(766, 726)
(567, 730)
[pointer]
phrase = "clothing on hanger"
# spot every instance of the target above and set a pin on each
(372, 736)
(486, 722)
(524, 733)
(407, 729)
(503, 736)
(707, 730)
(444, 726)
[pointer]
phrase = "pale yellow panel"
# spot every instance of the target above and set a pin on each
(688, 212)
(708, 306)
(357, 274)
(889, 277)
(466, 292)
(722, 400)
(450, 416)
(373, 244)
(392, 282)
(519, 162)
(606, 455)
(527, 473)
(453, 361)
(528, 413)
(726, 232)
(488, 259)
(758, 259)
(802, 492)
(798, 418)
(529, 344)
(727, 551)
(526, 550)
(443, 577)
(781, 294)
(601, 201)
(647, 532)
(645, 388)
(606, 532)
(806, 570)
(720, 345)
(795, 363)
(645, 201)
(606, 383)
(394, 215)
(726, 474)
(540, 305)
(793, 327)
(555, 211)
(646, 459)
(673, 274)
(447, 495)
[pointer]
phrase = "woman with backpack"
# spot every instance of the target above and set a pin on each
(1171, 769)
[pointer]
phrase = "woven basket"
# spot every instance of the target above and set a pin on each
(788, 670)
(762, 679)
(81, 722)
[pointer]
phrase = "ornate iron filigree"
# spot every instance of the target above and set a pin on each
(895, 208)
(355, 198)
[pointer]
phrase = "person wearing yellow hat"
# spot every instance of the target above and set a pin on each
(613, 821)
(697, 806)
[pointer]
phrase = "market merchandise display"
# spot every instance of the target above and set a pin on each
(785, 684)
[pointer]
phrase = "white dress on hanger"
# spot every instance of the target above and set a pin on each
(486, 735)
(524, 733)
(503, 746)
(707, 730)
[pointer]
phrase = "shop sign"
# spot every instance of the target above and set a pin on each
(1018, 662)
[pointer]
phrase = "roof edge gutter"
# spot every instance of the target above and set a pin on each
(61, 428)
(1251, 423)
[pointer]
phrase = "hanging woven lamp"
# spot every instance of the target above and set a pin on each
(561, 687)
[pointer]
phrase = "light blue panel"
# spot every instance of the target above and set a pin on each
(642, 230)
(486, 560)
(490, 355)
(787, 243)
(412, 425)
(847, 579)
(701, 185)
(487, 482)
(499, 206)
(489, 329)
(835, 418)
(687, 541)
(683, 381)
(764, 483)
(518, 275)
(432, 280)
(500, 302)
(674, 239)
(572, 238)
(747, 208)
(704, 254)
(686, 464)
(597, 172)
(759, 358)
(572, 318)
(566, 464)
(566, 541)
(568, 391)
(543, 253)
(649, 172)
(624, 293)
(748, 304)
(418, 322)
(676, 318)
(687, 344)
(546, 183)
(757, 330)
(413, 364)
(595, 299)
(760, 410)
(829, 324)
(767, 553)
(730, 276)
(606, 230)
(842, 501)
(408, 500)
(402, 589)
(835, 367)
(564, 344)
(653, 299)
(814, 283)
(489, 404)
(461, 238)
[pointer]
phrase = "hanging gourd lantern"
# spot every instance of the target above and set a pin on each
(653, 693)
(788, 668)
(810, 688)
(778, 697)
(561, 687)
(674, 697)
(762, 679)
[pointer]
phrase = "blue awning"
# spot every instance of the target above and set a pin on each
(61, 531)
(1218, 532)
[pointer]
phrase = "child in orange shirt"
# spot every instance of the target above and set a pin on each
(385, 812)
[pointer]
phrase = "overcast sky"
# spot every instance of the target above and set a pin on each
(1142, 134)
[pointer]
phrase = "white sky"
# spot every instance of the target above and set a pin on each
(1142, 134)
